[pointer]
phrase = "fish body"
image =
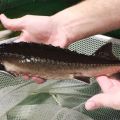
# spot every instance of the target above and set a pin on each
(51, 62)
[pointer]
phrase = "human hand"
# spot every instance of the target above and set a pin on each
(39, 29)
(110, 96)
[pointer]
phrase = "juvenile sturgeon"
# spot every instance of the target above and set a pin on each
(51, 62)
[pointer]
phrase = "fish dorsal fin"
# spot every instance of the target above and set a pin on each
(106, 52)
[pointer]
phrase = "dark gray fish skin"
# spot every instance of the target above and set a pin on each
(51, 62)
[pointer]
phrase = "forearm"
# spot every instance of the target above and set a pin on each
(89, 18)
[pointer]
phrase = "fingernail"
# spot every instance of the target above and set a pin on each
(90, 105)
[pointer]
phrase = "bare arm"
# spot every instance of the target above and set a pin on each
(89, 17)
(82, 20)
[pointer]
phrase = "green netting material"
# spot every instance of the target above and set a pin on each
(54, 100)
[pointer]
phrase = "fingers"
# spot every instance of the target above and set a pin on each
(38, 80)
(105, 83)
(26, 37)
(100, 100)
(12, 24)
(35, 78)
(95, 102)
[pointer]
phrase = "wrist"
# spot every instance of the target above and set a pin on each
(83, 20)
(59, 32)
(72, 28)
(63, 28)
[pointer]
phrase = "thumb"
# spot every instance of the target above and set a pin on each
(98, 101)
(12, 24)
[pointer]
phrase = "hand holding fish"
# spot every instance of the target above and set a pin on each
(110, 96)
(47, 33)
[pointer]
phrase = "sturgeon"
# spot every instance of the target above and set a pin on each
(51, 62)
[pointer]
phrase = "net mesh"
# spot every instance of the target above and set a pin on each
(55, 100)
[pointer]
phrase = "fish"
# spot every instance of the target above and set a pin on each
(50, 62)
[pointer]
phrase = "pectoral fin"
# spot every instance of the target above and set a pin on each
(82, 78)
(115, 76)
